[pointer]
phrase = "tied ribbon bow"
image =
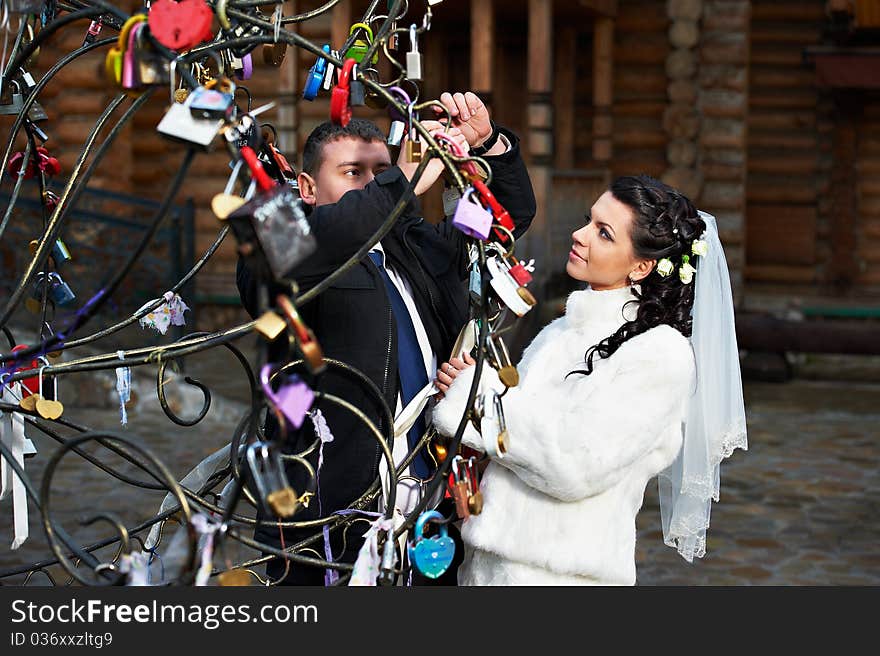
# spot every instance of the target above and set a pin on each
(170, 313)
(366, 567)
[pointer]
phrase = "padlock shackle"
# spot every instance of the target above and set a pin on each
(424, 518)
(345, 73)
(363, 26)
(258, 173)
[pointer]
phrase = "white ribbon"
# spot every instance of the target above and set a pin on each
(123, 388)
(12, 429)
(366, 567)
(206, 527)
(137, 566)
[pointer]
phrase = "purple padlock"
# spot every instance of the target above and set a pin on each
(293, 399)
(472, 218)
(247, 68)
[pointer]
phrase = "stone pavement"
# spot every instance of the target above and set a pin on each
(800, 507)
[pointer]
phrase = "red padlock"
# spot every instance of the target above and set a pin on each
(520, 274)
(14, 166)
(502, 216)
(31, 384)
(181, 25)
(340, 107)
(48, 164)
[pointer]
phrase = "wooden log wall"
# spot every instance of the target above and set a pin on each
(786, 220)
(641, 47)
(868, 186)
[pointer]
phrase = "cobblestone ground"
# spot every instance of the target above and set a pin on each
(800, 507)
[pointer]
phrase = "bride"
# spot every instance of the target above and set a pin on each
(640, 377)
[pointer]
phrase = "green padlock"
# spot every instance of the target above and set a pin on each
(359, 48)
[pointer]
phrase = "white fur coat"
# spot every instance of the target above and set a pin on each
(564, 498)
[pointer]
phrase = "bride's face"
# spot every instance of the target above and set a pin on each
(602, 253)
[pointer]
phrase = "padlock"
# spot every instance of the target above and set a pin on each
(152, 68)
(507, 289)
(30, 384)
(357, 94)
(130, 73)
(330, 73)
(274, 222)
(181, 25)
(270, 325)
(293, 399)
(475, 500)
(340, 106)
(315, 77)
(413, 57)
(471, 217)
(493, 428)
(305, 338)
(60, 253)
(60, 292)
(413, 144)
(94, 31)
(46, 407)
(243, 67)
(358, 49)
(396, 132)
(11, 102)
(267, 472)
(475, 283)
(460, 488)
(507, 373)
(500, 214)
(214, 101)
(180, 124)
(431, 556)
(234, 578)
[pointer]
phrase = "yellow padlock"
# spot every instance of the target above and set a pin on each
(113, 61)
(358, 49)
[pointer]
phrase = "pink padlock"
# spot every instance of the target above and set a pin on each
(471, 217)
(293, 399)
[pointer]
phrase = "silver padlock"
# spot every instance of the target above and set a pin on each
(11, 102)
(179, 124)
(396, 132)
(267, 472)
(413, 57)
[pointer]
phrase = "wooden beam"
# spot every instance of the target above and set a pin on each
(603, 7)
(603, 88)
(540, 75)
(844, 181)
(340, 24)
(482, 45)
(564, 96)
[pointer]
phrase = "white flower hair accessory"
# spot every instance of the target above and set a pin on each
(686, 271)
(665, 267)
(699, 247)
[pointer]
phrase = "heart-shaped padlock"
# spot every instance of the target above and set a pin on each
(471, 217)
(293, 399)
(181, 25)
(431, 556)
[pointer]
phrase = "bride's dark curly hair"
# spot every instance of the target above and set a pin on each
(666, 224)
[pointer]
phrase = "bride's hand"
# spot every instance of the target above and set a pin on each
(448, 371)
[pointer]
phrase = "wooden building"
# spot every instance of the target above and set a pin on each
(743, 104)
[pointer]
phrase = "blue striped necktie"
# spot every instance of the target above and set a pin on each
(410, 364)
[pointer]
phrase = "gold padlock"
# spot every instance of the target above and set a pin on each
(413, 151)
(270, 325)
(234, 577)
(283, 502)
(475, 503)
(509, 376)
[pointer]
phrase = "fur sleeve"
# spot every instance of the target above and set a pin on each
(572, 443)
(448, 412)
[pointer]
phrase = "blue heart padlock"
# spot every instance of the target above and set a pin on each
(431, 556)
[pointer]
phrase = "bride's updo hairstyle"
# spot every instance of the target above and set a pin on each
(665, 225)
